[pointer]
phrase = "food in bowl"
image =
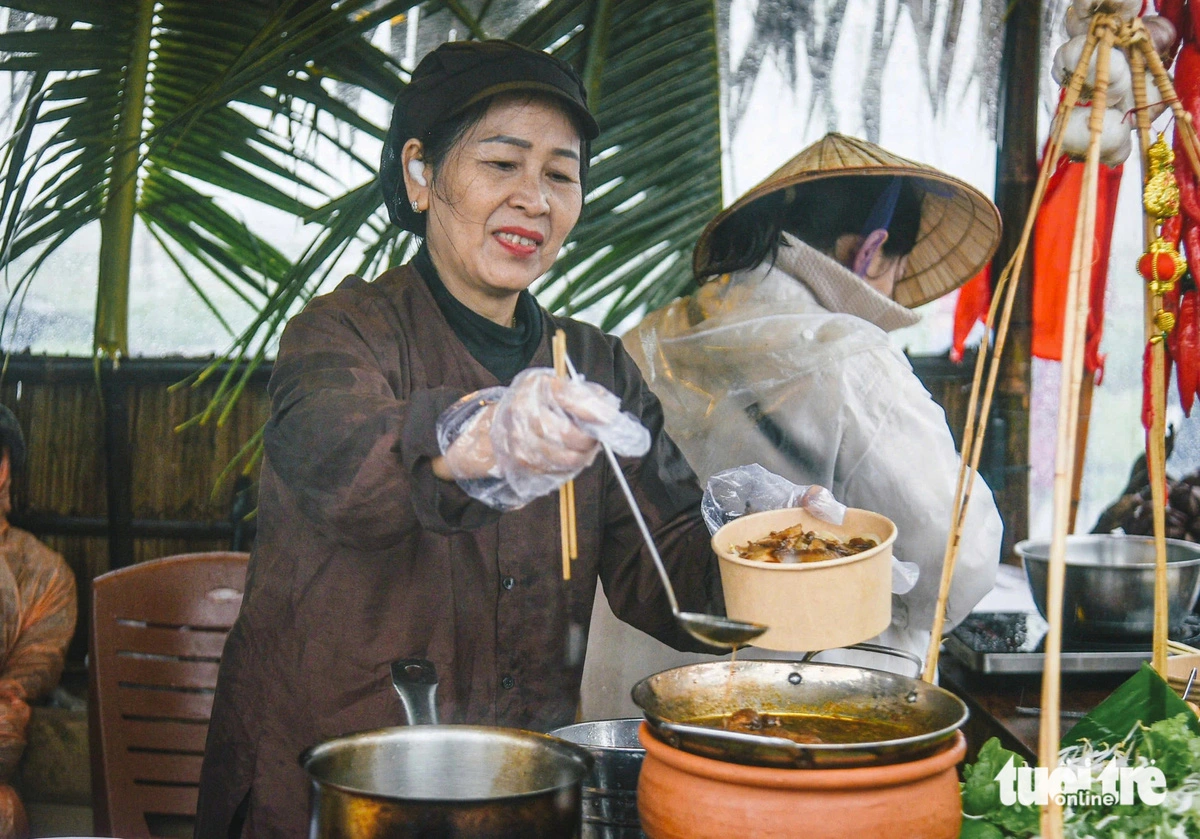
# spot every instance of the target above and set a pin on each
(799, 544)
(809, 605)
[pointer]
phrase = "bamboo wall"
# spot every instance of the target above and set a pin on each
(61, 495)
(173, 475)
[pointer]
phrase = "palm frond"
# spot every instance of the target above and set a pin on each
(240, 102)
(659, 151)
(781, 26)
(236, 102)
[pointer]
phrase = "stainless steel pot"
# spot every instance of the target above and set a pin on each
(610, 789)
(445, 781)
(924, 716)
(1108, 590)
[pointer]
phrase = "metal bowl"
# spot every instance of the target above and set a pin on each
(610, 808)
(1108, 592)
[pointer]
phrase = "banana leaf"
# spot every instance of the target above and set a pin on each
(1144, 698)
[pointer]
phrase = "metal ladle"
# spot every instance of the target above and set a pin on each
(711, 629)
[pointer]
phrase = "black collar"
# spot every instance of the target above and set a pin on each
(503, 351)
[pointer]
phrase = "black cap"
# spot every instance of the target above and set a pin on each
(451, 79)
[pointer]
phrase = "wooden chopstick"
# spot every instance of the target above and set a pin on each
(564, 514)
(571, 530)
(566, 494)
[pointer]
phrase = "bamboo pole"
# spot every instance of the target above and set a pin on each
(989, 358)
(1140, 40)
(1156, 455)
(1074, 335)
(1084, 421)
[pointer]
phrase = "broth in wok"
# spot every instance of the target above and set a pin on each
(797, 544)
(806, 729)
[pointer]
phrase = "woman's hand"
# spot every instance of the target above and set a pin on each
(526, 440)
(539, 432)
(537, 426)
(470, 456)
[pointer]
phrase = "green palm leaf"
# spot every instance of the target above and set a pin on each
(149, 110)
(654, 68)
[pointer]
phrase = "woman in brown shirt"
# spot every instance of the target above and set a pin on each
(368, 548)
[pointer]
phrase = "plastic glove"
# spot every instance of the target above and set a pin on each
(904, 575)
(508, 446)
(464, 435)
(535, 432)
(547, 430)
(752, 489)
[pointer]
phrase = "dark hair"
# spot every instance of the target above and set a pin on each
(442, 137)
(818, 213)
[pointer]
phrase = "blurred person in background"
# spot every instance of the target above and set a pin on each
(37, 621)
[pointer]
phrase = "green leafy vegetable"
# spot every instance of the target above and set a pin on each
(1142, 725)
(985, 816)
(978, 829)
(1172, 746)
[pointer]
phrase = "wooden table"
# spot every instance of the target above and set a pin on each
(994, 701)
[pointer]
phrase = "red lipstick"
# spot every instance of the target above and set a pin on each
(526, 245)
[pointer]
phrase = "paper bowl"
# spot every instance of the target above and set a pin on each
(809, 605)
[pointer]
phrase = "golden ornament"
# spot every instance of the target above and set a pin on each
(1161, 193)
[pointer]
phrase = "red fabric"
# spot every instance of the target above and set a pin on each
(1054, 232)
(1187, 86)
(1178, 13)
(970, 308)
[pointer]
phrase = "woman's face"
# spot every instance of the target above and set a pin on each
(502, 202)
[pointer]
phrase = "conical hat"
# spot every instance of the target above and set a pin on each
(960, 226)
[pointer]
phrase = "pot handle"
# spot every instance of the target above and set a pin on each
(415, 679)
(913, 658)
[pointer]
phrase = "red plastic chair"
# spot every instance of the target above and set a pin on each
(158, 630)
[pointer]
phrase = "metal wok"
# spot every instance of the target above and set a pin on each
(925, 717)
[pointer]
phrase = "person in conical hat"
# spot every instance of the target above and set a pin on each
(828, 194)
(781, 358)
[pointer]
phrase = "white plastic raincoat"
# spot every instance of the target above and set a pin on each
(789, 365)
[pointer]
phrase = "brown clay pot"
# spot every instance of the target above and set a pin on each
(686, 796)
